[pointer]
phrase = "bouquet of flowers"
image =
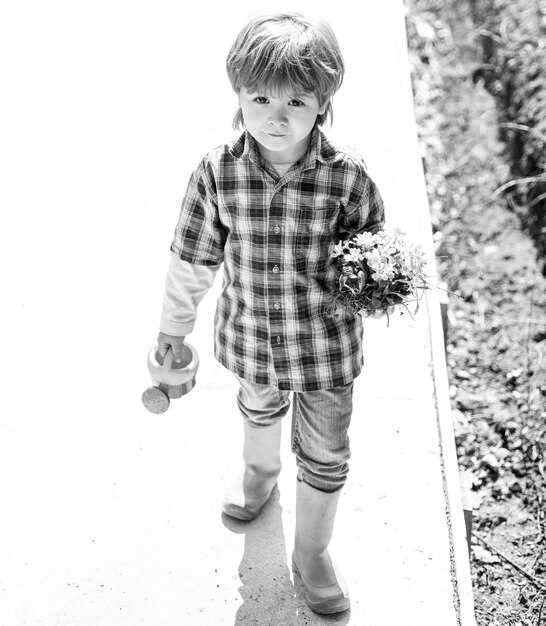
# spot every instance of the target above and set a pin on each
(378, 272)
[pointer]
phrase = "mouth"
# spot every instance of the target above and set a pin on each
(275, 135)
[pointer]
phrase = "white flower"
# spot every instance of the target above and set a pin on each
(354, 255)
(366, 241)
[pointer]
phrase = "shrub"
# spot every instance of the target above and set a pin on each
(512, 36)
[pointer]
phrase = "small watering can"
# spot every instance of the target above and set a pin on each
(171, 379)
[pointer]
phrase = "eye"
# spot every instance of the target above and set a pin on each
(261, 100)
(296, 103)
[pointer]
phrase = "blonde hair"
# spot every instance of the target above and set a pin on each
(286, 53)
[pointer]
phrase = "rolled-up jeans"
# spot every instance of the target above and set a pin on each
(320, 424)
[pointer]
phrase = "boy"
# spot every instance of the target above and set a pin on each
(270, 206)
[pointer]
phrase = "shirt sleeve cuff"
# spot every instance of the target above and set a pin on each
(175, 329)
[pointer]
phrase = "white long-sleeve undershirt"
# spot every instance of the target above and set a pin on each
(185, 286)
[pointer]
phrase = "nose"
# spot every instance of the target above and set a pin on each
(277, 117)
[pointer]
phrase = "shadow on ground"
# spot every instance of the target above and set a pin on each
(270, 598)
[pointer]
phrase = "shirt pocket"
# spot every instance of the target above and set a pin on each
(316, 234)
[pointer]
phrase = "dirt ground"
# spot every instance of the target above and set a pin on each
(497, 316)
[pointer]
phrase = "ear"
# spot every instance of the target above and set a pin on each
(242, 94)
(323, 108)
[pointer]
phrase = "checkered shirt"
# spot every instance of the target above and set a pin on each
(275, 235)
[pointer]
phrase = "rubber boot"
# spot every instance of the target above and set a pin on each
(325, 590)
(251, 489)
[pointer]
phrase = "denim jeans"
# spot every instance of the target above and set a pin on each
(320, 424)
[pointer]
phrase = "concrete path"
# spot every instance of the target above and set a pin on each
(110, 515)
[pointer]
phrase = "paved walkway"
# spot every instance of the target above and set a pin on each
(110, 515)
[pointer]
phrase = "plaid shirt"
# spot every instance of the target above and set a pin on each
(275, 235)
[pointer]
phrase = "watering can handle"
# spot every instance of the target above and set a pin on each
(171, 363)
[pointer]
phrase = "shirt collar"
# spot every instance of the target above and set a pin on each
(320, 149)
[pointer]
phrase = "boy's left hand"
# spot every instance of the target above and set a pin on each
(378, 314)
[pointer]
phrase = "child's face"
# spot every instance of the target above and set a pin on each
(280, 124)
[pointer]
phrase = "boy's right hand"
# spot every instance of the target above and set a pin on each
(176, 343)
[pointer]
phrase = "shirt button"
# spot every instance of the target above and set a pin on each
(278, 339)
(277, 230)
(276, 305)
(276, 269)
